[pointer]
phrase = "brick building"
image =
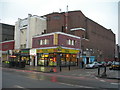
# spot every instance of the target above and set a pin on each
(5, 48)
(53, 49)
(96, 40)
(6, 32)
(6, 40)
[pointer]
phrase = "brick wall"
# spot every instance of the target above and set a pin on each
(99, 38)
(7, 45)
(62, 41)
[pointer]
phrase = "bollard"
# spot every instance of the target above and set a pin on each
(60, 68)
(69, 67)
(104, 73)
(98, 71)
(105, 69)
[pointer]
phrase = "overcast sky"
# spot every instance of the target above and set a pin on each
(104, 12)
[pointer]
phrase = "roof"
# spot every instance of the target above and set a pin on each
(73, 29)
(56, 33)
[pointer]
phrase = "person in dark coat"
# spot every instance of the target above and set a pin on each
(82, 64)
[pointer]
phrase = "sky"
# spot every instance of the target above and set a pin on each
(104, 12)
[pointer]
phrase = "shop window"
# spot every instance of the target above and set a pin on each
(52, 60)
(47, 59)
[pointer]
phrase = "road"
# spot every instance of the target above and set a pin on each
(18, 79)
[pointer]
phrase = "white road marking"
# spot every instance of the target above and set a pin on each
(96, 78)
(87, 75)
(73, 74)
(17, 86)
(102, 80)
(75, 85)
(90, 72)
(80, 75)
(115, 83)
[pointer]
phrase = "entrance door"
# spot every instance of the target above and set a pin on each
(46, 61)
(34, 61)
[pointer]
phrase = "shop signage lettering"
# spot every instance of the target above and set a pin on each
(16, 51)
(33, 52)
(57, 50)
(25, 52)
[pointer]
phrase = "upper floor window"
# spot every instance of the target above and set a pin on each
(23, 46)
(56, 17)
(71, 42)
(43, 42)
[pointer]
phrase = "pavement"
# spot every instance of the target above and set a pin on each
(75, 71)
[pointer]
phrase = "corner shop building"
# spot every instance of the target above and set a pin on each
(55, 49)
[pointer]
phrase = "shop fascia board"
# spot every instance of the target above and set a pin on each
(57, 47)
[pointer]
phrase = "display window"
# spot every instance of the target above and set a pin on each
(4, 57)
(74, 59)
(26, 59)
(43, 59)
(50, 59)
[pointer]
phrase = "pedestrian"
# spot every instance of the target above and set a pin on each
(82, 64)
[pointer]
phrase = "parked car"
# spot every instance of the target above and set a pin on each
(115, 65)
(93, 65)
(109, 63)
(103, 63)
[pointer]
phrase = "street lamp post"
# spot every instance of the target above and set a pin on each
(80, 53)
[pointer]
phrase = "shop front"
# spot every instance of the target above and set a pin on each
(33, 57)
(57, 57)
(15, 55)
(20, 55)
(25, 56)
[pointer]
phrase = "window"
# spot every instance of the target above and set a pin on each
(68, 42)
(41, 42)
(71, 42)
(56, 17)
(44, 42)
(24, 45)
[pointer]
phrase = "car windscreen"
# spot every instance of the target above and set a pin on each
(116, 63)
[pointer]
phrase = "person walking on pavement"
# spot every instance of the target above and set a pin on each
(82, 64)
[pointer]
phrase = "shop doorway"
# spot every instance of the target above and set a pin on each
(34, 61)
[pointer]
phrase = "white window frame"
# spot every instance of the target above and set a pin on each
(41, 42)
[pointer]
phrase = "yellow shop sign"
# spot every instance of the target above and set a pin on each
(45, 50)
(57, 50)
